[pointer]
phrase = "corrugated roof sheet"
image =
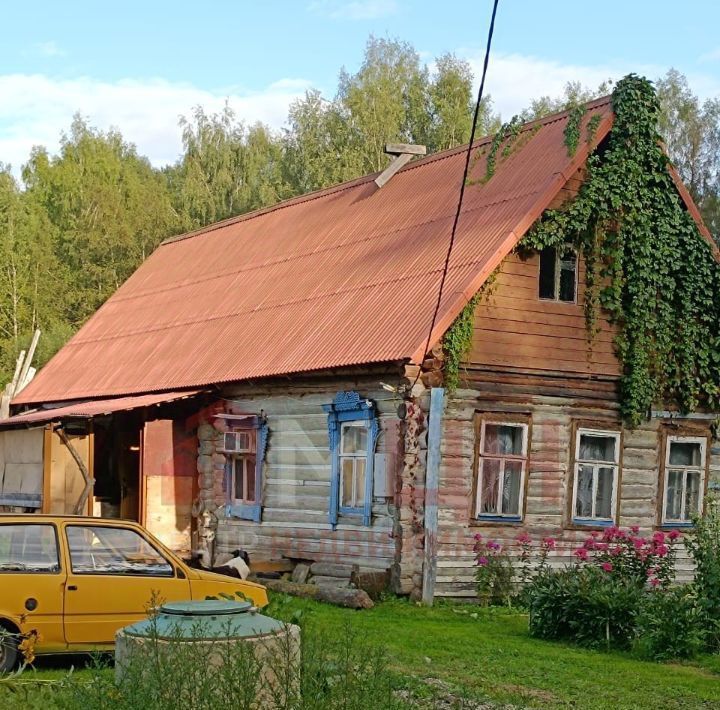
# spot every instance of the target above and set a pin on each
(94, 408)
(344, 276)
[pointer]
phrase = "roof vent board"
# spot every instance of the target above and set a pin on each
(402, 152)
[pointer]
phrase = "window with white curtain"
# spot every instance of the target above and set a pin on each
(597, 458)
(502, 464)
(684, 478)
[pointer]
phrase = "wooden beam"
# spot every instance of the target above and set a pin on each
(408, 148)
(47, 469)
(432, 482)
(82, 501)
(391, 169)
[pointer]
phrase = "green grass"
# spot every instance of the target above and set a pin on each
(463, 655)
(488, 654)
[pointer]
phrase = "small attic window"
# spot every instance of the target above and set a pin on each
(558, 274)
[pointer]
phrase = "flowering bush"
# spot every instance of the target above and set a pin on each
(626, 555)
(494, 573)
(598, 599)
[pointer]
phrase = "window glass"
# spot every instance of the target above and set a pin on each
(597, 448)
(603, 498)
(692, 494)
(685, 453)
(244, 478)
(28, 548)
(683, 480)
(583, 494)
(503, 439)
(501, 469)
(558, 274)
(511, 487)
(107, 550)
(596, 475)
(568, 262)
(490, 485)
(547, 273)
(354, 439)
(673, 506)
(352, 485)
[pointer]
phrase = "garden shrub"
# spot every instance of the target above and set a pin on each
(494, 573)
(670, 624)
(703, 543)
(597, 600)
(584, 605)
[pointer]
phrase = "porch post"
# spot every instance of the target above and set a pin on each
(432, 480)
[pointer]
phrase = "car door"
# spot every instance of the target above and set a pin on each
(114, 573)
(32, 580)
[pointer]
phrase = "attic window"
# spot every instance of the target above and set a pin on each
(558, 274)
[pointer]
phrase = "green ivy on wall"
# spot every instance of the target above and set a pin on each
(648, 266)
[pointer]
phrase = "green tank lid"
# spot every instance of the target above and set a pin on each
(205, 620)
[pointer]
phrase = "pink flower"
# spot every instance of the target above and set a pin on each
(662, 550)
(658, 537)
(607, 566)
(635, 529)
(654, 581)
(581, 553)
(615, 551)
(478, 536)
(602, 546)
(638, 542)
(482, 561)
(549, 542)
(492, 545)
(594, 533)
(524, 539)
(674, 535)
(590, 544)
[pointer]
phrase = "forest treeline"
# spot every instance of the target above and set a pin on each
(81, 221)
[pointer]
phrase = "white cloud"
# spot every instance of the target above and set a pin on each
(514, 80)
(354, 9)
(36, 108)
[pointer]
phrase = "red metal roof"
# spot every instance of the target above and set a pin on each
(94, 408)
(344, 276)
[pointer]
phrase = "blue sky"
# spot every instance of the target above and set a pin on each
(139, 65)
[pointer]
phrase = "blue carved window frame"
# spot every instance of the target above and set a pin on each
(247, 511)
(350, 407)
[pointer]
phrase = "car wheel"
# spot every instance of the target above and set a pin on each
(8, 651)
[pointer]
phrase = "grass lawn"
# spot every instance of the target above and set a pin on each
(460, 656)
(488, 654)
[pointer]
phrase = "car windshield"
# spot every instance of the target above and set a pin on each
(109, 550)
(28, 548)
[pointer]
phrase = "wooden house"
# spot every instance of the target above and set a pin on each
(272, 383)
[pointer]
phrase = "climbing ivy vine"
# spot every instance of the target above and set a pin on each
(648, 266)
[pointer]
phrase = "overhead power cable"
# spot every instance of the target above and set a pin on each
(463, 183)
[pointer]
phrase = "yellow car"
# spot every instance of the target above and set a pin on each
(69, 583)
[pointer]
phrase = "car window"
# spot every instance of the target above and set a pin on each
(108, 550)
(28, 548)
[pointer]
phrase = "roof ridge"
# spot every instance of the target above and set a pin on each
(365, 179)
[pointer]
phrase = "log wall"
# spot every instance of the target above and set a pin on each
(553, 405)
(296, 480)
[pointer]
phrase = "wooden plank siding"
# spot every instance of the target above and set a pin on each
(514, 327)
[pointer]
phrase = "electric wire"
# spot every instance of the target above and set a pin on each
(463, 183)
